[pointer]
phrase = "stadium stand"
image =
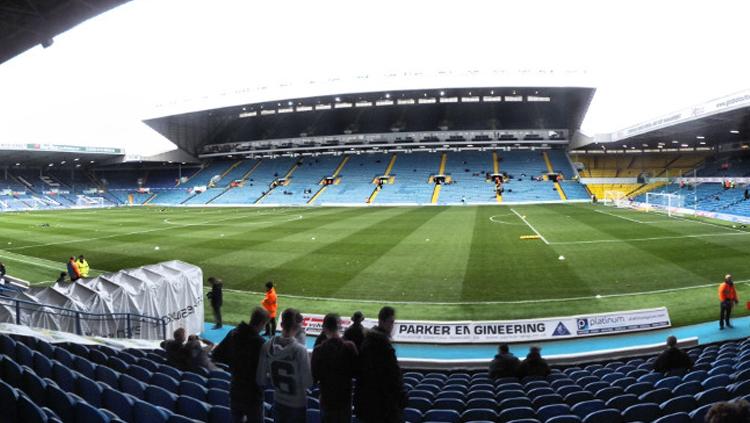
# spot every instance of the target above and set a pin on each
(49, 383)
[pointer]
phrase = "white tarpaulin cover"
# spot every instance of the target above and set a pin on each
(111, 304)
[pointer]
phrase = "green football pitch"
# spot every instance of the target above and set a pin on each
(437, 263)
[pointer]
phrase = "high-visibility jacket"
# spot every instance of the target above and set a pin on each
(727, 292)
(83, 267)
(269, 302)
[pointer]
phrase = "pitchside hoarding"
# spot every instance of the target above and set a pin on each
(528, 330)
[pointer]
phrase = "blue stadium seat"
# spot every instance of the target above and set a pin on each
(675, 418)
(480, 393)
(543, 400)
(192, 408)
(668, 382)
(8, 401)
(695, 375)
(644, 412)
(624, 382)
(595, 386)
(42, 365)
(84, 367)
(412, 415)
(89, 391)
(565, 418)
(684, 403)
(548, 411)
(658, 395)
(639, 388)
(578, 396)
(131, 386)
(621, 402)
(218, 383)
(716, 381)
(28, 412)
(650, 378)
(740, 388)
(195, 377)
(219, 414)
(515, 402)
(60, 402)
(609, 415)
(478, 414)
(107, 376)
(117, 364)
(64, 377)
(712, 395)
(421, 404)
(687, 388)
(164, 381)
(513, 393)
(120, 404)
(139, 373)
(7, 346)
(63, 356)
(86, 413)
(33, 386)
(699, 414)
(443, 416)
(160, 397)
(720, 370)
(24, 355)
(567, 389)
(584, 408)
(451, 394)
(193, 390)
(170, 371)
(12, 372)
(145, 412)
(515, 413)
(97, 357)
(218, 397)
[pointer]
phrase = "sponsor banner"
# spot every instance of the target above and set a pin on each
(60, 148)
(528, 330)
(715, 179)
(691, 212)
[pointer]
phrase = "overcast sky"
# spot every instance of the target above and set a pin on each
(99, 80)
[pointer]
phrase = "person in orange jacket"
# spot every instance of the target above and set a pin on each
(73, 271)
(270, 305)
(728, 298)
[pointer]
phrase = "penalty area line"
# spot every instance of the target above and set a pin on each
(530, 227)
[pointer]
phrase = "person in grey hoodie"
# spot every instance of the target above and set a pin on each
(284, 362)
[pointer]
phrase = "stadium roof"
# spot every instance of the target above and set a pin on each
(397, 111)
(26, 23)
(52, 155)
(723, 121)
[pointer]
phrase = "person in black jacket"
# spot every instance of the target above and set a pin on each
(534, 364)
(356, 332)
(380, 396)
(334, 364)
(174, 349)
(217, 299)
(673, 359)
(240, 349)
(505, 363)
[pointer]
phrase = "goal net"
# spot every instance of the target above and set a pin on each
(660, 201)
(86, 201)
(616, 199)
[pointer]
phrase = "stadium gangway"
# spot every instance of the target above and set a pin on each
(125, 324)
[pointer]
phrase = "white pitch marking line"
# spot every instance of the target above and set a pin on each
(656, 238)
(531, 227)
(463, 303)
(620, 217)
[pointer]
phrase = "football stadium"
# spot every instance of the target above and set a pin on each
(426, 246)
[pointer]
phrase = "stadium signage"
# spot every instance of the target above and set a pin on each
(529, 330)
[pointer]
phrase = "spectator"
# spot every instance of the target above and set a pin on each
(334, 363)
(673, 359)
(2, 273)
(288, 360)
(505, 363)
(240, 349)
(196, 353)
(73, 270)
(728, 299)
(380, 396)
(217, 300)
(356, 332)
(61, 278)
(322, 337)
(173, 348)
(533, 365)
(729, 412)
(83, 266)
(270, 304)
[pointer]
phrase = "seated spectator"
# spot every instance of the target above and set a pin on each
(356, 332)
(533, 364)
(62, 277)
(2, 273)
(196, 354)
(673, 359)
(505, 363)
(729, 412)
(173, 347)
(334, 363)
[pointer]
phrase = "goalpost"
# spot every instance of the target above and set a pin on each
(662, 201)
(86, 201)
(616, 199)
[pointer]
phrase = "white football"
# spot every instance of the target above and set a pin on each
(156, 248)
(561, 258)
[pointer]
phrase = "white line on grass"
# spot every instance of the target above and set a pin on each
(173, 226)
(620, 217)
(655, 238)
(529, 225)
(462, 303)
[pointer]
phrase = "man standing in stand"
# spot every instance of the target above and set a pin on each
(728, 298)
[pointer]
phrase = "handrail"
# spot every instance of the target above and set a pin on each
(20, 305)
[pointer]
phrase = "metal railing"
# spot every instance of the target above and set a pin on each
(108, 325)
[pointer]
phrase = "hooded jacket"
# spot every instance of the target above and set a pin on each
(286, 364)
(379, 395)
(241, 350)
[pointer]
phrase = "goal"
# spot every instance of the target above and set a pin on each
(616, 199)
(661, 201)
(86, 201)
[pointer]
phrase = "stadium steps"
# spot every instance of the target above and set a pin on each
(550, 169)
(388, 169)
(191, 176)
(252, 169)
(150, 199)
(189, 197)
(336, 172)
(230, 187)
(496, 170)
(441, 171)
(288, 174)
